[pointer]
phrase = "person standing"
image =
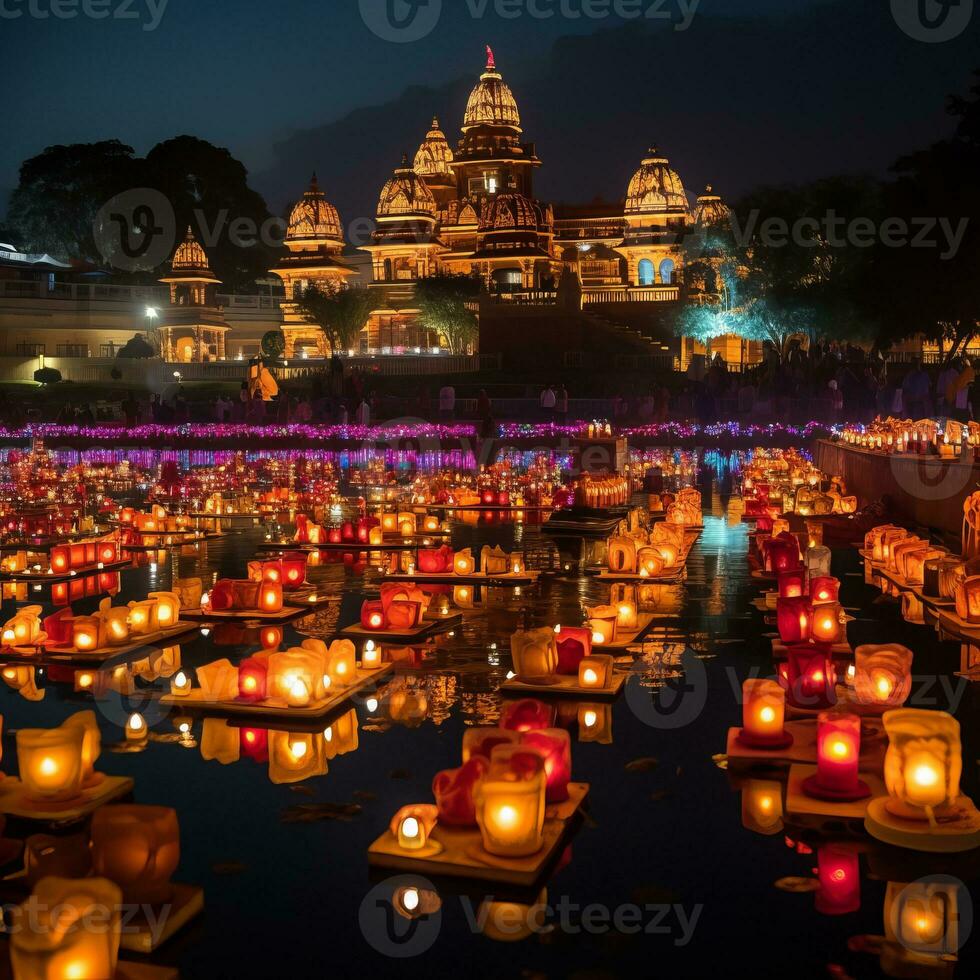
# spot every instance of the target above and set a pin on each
(561, 403)
(447, 402)
(547, 402)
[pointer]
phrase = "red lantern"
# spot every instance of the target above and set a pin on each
(839, 875)
(293, 565)
(781, 554)
(811, 676)
(222, 595)
(574, 643)
(60, 558)
(838, 753)
(794, 618)
(527, 715)
(454, 792)
(372, 616)
(334, 535)
(825, 588)
(107, 552)
(347, 532)
(435, 561)
(270, 637)
(503, 499)
(59, 627)
(254, 744)
(556, 747)
(253, 679)
(403, 614)
(792, 584)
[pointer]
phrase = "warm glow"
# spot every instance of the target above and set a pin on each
(506, 817)
(840, 748)
(925, 776)
(589, 676)
(590, 718)
(767, 714)
(48, 766)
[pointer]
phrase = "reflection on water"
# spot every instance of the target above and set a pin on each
(275, 822)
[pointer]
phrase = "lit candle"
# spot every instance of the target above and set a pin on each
(463, 562)
(882, 674)
(763, 715)
(793, 619)
(510, 813)
(181, 685)
(826, 625)
(50, 762)
(810, 676)
(136, 730)
(792, 583)
(762, 806)
(595, 672)
(371, 656)
(70, 930)
(534, 653)
(825, 588)
(413, 824)
(839, 877)
(838, 751)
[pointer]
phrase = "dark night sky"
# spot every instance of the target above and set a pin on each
(252, 74)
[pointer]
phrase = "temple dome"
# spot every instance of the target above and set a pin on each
(491, 102)
(314, 218)
(655, 188)
(406, 195)
(434, 156)
(190, 257)
(511, 212)
(710, 209)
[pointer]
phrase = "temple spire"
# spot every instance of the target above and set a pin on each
(491, 62)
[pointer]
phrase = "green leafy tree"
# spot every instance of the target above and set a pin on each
(273, 344)
(445, 303)
(340, 312)
(47, 376)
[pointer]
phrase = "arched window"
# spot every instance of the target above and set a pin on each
(645, 272)
(667, 271)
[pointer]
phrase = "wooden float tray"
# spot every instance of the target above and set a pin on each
(798, 804)
(186, 902)
(666, 577)
(349, 546)
(29, 576)
(275, 708)
(65, 654)
(462, 854)
(803, 749)
(626, 638)
(357, 632)
(177, 540)
(838, 651)
(285, 614)
(566, 685)
(948, 838)
(451, 578)
(125, 969)
(234, 515)
(933, 602)
(499, 508)
(950, 623)
(14, 803)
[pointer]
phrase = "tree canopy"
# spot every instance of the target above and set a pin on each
(445, 305)
(340, 312)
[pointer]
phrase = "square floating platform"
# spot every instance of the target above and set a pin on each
(462, 853)
(627, 638)
(667, 577)
(451, 578)
(420, 632)
(198, 701)
(803, 749)
(42, 577)
(292, 610)
(186, 902)
(800, 805)
(15, 803)
(948, 837)
(69, 655)
(565, 685)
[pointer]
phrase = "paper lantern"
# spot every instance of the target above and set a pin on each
(74, 933)
(430, 524)
(494, 561)
(218, 680)
(826, 625)
(968, 599)
(603, 623)
(253, 678)
(781, 554)
(296, 677)
(181, 685)
(455, 792)
(403, 614)
(270, 597)
(342, 663)
(923, 921)
(763, 715)
(824, 589)
(482, 741)
(137, 847)
(810, 676)
(389, 523)
(372, 657)
(838, 752)
(572, 644)
(595, 672)
(341, 736)
(463, 563)
(60, 559)
(882, 674)
(839, 879)
(510, 812)
(594, 722)
(621, 555)
(792, 584)
(140, 617)
(627, 618)
(794, 618)
(412, 825)
(372, 616)
(762, 806)
(24, 629)
(376, 535)
(534, 653)
(165, 611)
(189, 592)
(526, 715)
(50, 762)
(923, 762)
(294, 757)
(555, 746)
(91, 744)
(87, 633)
(650, 563)
(136, 728)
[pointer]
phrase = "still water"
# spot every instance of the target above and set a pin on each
(661, 878)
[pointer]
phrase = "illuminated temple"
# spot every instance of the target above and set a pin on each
(590, 275)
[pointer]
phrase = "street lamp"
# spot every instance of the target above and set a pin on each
(177, 376)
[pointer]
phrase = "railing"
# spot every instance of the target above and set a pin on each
(105, 292)
(526, 297)
(631, 294)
